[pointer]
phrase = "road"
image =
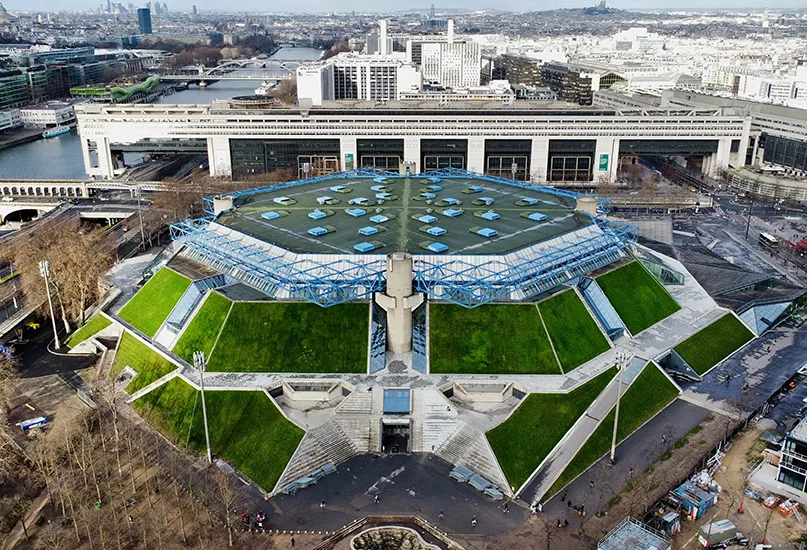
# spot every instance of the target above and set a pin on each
(36, 361)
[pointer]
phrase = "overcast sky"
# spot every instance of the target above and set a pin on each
(360, 5)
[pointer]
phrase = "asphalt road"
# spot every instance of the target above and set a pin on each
(639, 451)
(406, 485)
(37, 361)
(764, 371)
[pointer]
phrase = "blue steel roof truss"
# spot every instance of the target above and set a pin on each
(455, 280)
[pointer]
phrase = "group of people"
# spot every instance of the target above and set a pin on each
(253, 522)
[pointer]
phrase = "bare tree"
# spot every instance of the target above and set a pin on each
(52, 537)
(229, 496)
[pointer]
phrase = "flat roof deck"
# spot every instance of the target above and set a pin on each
(404, 202)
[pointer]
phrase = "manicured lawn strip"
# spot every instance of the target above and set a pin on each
(204, 327)
(706, 348)
(639, 299)
(490, 339)
(149, 364)
(246, 429)
(153, 303)
(533, 430)
(90, 328)
(649, 393)
(576, 336)
(292, 337)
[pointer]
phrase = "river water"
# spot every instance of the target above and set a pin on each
(60, 157)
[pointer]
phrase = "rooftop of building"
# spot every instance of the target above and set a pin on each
(799, 431)
(462, 215)
(633, 535)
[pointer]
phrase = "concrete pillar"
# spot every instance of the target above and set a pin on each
(755, 153)
(476, 154)
(218, 156)
(105, 166)
(604, 155)
(744, 141)
(706, 162)
(588, 205)
(85, 153)
(539, 160)
(350, 158)
(721, 158)
(412, 152)
(614, 164)
(398, 301)
(222, 204)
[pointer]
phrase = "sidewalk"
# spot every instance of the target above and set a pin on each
(550, 470)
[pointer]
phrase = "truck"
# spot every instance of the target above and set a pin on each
(720, 534)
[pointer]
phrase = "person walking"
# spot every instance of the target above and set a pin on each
(473, 521)
(565, 494)
(322, 504)
(377, 499)
(440, 515)
(292, 542)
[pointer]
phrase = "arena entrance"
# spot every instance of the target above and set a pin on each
(395, 435)
(396, 426)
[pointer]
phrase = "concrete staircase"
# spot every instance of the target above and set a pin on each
(358, 402)
(325, 443)
(437, 419)
(469, 447)
(358, 431)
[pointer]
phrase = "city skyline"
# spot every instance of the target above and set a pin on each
(316, 6)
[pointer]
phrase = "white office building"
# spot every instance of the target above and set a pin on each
(315, 83)
(356, 76)
(10, 119)
(49, 114)
(452, 64)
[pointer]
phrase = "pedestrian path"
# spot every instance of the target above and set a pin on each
(553, 465)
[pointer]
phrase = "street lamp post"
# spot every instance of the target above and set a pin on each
(44, 271)
(621, 364)
(200, 364)
(748, 220)
(138, 191)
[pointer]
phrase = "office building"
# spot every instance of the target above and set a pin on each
(569, 85)
(452, 64)
(315, 83)
(14, 89)
(793, 464)
(50, 114)
(355, 76)
(144, 20)
(518, 70)
(9, 120)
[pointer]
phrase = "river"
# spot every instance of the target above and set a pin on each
(60, 157)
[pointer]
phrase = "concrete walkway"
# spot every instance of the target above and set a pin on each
(553, 465)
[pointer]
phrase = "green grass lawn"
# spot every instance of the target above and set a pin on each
(153, 303)
(149, 364)
(293, 337)
(490, 339)
(90, 328)
(706, 348)
(204, 328)
(246, 429)
(575, 335)
(639, 299)
(649, 393)
(533, 430)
